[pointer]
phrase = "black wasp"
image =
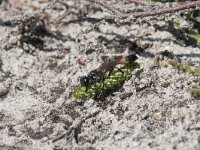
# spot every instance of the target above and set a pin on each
(100, 74)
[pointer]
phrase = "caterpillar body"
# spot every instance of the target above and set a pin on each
(114, 80)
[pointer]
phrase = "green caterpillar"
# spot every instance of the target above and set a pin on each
(195, 91)
(114, 80)
(184, 68)
(196, 72)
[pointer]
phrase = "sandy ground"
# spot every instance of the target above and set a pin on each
(153, 110)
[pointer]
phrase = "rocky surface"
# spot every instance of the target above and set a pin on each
(39, 72)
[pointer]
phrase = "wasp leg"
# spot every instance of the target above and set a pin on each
(101, 95)
(87, 87)
(120, 70)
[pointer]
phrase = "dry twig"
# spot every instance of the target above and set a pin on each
(121, 14)
(116, 11)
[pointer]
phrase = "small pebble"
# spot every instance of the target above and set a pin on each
(3, 89)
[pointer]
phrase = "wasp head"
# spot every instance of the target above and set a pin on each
(84, 81)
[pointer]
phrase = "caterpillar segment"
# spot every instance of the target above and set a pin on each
(111, 82)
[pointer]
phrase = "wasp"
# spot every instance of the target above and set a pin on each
(100, 74)
(111, 82)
